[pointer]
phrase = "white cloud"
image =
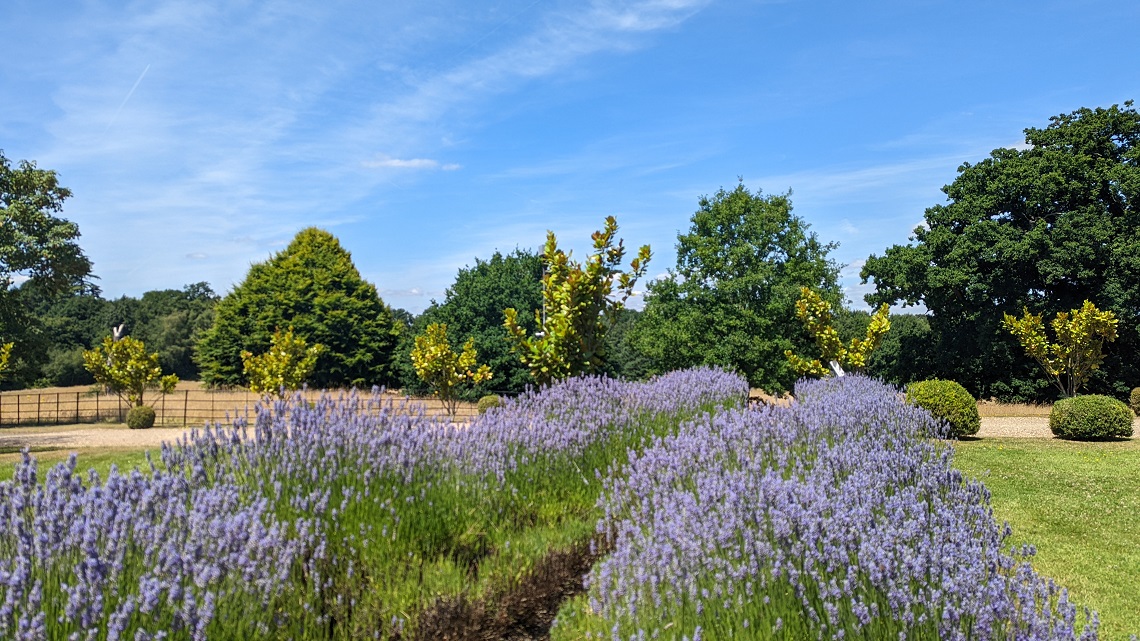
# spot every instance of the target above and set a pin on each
(400, 163)
(414, 291)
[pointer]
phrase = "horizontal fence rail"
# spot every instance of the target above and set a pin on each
(190, 408)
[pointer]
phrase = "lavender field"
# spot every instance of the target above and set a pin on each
(837, 517)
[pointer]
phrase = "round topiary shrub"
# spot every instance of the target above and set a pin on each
(947, 400)
(1134, 400)
(140, 417)
(489, 401)
(1090, 417)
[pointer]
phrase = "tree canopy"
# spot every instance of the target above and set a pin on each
(1041, 228)
(473, 307)
(313, 286)
(36, 247)
(731, 300)
(578, 309)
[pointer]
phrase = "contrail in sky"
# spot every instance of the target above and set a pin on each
(129, 94)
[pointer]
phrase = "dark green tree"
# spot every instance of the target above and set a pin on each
(171, 321)
(39, 248)
(904, 356)
(623, 360)
(731, 299)
(313, 286)
(168, 321)
(1041, 228)
(473, 307)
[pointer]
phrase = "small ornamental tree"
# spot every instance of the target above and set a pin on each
(442, 369)
(5, 354)
(284, 368)
(124, 367)
(578, 305)
(815, 314)
(1079, 350)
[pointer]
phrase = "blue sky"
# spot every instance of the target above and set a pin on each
(199, 136)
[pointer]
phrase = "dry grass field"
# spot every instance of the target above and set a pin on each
(993, 409)
(191, 404)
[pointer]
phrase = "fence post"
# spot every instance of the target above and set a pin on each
(185, 403)
(17, 409)
(57, 422)
(38, 397)
(77, 407)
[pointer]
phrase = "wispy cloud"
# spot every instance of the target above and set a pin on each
(410, 163)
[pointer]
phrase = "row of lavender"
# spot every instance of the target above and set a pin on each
(837, 517)
(318, 521)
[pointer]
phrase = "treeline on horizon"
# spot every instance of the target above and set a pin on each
(1040, 229)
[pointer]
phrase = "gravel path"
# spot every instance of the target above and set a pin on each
(83, 436)
(1024, 427)
(119, 436)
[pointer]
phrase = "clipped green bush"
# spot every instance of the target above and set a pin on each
(947, 400)
(140, 417)
(1134, 400)
(1090, 417)
(489, 401)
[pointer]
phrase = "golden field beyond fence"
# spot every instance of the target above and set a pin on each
(190, 405)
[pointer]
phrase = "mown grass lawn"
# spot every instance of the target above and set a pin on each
(101, 459)
(1079, 503)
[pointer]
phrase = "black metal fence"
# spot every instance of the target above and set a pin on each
(183, 407)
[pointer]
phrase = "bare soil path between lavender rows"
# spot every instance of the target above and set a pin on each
(119, 436)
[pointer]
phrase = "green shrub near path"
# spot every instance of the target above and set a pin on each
(947, 400)
(140, 417)
(489, 401)
(1090, 417)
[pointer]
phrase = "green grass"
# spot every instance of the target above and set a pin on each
(101, 459)
(1079, 503)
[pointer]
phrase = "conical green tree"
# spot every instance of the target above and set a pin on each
(314, 287)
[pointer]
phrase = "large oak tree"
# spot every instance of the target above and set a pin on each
(38, 248)
(1041, 228)
(731, 299)
(473, 307)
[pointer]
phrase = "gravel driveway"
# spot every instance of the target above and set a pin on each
(82, 436)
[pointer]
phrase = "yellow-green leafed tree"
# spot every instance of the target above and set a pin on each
(124, 367)
(578, 307)
(815, 314)
(5, 354)
(1079, 350)
(442, 369)
(284, 368)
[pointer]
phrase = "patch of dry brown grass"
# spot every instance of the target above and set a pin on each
(192, 403)
(993, 408)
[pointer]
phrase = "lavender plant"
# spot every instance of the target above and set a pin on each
(338, 520)
(838, 517)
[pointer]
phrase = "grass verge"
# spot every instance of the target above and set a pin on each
(98, 458)
(1077, 502)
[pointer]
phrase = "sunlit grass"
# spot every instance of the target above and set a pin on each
(1078, 503)
(98, 458)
